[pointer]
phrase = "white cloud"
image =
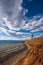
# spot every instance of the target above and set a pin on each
(35, 30)
(34, 25)
(20, 8)
(17, 21)
(4, 31)
(8, 38)
(13, 38)
(41, 27)
(23, 33)
(19, 33)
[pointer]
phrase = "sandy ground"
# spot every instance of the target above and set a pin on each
(32, 55)
(35, 56)
(14, 59)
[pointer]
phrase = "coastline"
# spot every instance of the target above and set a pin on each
(5, 54)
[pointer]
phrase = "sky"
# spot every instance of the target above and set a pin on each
(20, 19)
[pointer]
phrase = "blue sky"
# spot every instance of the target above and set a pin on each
(19, 19)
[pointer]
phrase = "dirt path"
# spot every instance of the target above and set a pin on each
(34, 57)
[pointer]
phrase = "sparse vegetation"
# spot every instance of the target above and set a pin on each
(34, 56)
(36, 41)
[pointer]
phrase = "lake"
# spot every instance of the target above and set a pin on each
(10, 43)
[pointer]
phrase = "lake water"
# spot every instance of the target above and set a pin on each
(9, 43)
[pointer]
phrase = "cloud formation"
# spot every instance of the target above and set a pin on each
(14, 23)
(35, 24)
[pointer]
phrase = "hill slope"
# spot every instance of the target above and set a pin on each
(36, 41)
(35, 56)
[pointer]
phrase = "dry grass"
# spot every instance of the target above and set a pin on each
(35, 56)
(37, 41)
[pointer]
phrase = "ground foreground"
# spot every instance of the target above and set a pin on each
(30, 56)
(35, 56)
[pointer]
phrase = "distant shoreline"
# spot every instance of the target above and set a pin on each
(11, 41)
